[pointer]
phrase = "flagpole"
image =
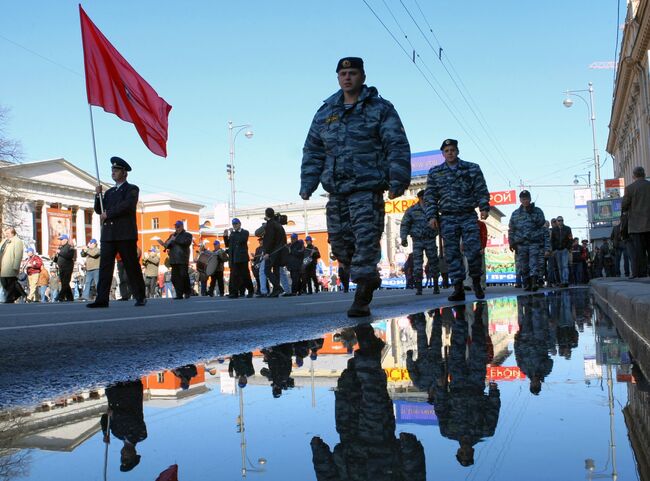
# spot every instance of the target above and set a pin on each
(107, 440)
(92, 130)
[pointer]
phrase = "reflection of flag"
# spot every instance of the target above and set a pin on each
(111, 83)
(169, 474)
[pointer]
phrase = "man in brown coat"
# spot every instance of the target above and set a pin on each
(636, 203)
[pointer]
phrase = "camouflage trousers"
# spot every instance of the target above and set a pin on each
(453, 228)
(355, 223)
(430, 247)
(528, 260)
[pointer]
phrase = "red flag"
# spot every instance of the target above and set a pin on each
(169, 474)
(111, 83)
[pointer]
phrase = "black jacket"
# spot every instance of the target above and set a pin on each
(120, 206)
(237, 244)
(179, 248)
(65, 257)
(275, 238)
(561, 238)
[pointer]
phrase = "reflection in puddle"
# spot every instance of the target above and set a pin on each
(473, 391)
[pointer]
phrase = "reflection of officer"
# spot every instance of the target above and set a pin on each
(241, 366)
(119, 234)
(427, 368)
(464, 412)
(454, 190)
(126, 416)
(366, 425)
(414, 223)
(279, 368)
(357, 149)
(185, 374)
(531, 341)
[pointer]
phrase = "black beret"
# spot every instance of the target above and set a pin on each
(524, 193)
(349, 62)
(120, 164)
(421, 193)
(448, 142)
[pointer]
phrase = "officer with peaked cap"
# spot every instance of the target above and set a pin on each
(357, 149)
(119, 234)
(454, 190)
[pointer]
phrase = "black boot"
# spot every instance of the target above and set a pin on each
(478, 288)
(459, 292)
(363, 297)
(418, 288)
(528, 283)
(436, 289)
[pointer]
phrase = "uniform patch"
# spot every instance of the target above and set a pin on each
(331, 118)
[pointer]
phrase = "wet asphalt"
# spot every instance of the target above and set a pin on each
(48, 350)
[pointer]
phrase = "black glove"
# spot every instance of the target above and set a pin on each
(405, 242)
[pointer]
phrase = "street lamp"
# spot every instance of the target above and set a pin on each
(230, 168)
(576, 178)
(592, 114)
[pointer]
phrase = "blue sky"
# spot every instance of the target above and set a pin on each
(271, 64)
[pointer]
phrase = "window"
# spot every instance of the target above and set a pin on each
(161, 375)
(155, 223)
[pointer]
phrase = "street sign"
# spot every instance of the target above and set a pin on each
(503, 197)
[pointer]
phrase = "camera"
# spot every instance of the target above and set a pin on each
(281, 218)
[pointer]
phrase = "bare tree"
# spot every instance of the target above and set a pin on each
(10, 150)
(14, 462)
(10, 153)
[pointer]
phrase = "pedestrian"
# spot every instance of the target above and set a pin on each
(620, 247)
(42, 283)
(312, 254)
(92, 254)
(414, 224)
(178, 246)
(54, 285)
(65, 257)
(33, 267)
(217, 277)
(576, 257)
(257, 264)
(454, 190)
(236, 241)
(607, 258)
(11, 257)
(561, 240)
(151, 262)
(526, 238)
(357, 149)
(636, 205)
(168, 286)
(275, 250)
(294, 264)
(119, 234)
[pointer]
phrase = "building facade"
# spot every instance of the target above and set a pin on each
(629, 127)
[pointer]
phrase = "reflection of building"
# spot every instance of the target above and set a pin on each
(637, 420)
(165, 385)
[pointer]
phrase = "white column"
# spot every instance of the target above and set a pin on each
(81, 227)
(96, 227)
(45, 231)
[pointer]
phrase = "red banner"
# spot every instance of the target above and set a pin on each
(503, 197)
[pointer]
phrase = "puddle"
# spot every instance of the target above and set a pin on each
(534, 387)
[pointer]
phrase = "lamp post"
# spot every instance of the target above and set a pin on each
(246, 464)
(233, 132)
(592, 114)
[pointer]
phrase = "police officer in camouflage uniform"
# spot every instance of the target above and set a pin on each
(357, 149)
(454, 190)
(526, 238)
(428, 367)
(414, 223)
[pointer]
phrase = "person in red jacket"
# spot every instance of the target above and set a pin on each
(33, 266)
